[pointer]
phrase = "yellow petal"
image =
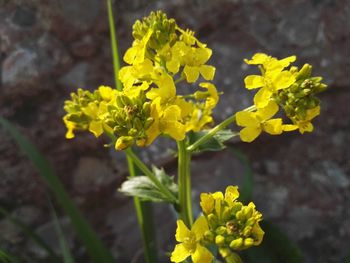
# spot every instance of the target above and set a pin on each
(207, 203)
(258, 58)
(254, 81)
(258, 234)
(231, 193)
(181, 231)
(262, 97)
(289, 127)
(202, 255)
(267, 112)
(173, 65)
(191, 73)
(207, 72)
(283, 80)
(202, 55)
(312, 113)
(96, 128)
(130, 55)
(199, 227)
(249, 134)
(286, 61)
(273, 126)
(245, 118)
(180, 253)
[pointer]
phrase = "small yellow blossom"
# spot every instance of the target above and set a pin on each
(304, 125)
(256, 122)
(190, 242)
(273, 78)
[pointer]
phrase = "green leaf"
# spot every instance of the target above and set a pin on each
(30, 234)
(275, 248)
(246, 191)
(215, 143)
(7, 258)
(93, 244)
(67, 256)
(144, 188)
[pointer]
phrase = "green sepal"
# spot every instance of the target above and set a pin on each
(145, 189)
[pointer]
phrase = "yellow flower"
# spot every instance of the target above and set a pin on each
(190, 242)
(273, 77)
(304, 125)
(256, 122)
(195, 60)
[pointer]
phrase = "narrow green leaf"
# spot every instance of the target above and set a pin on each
(67, 256)
(7, 258)
(30, 234)
(144, 188)
(93, 244)
(246, 191)
(275, 248)
(215, 143)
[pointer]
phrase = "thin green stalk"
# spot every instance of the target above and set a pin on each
(150, 174)
(184, 182)
(143, 210)
(144, 214)
(214, 130)
(114, 45)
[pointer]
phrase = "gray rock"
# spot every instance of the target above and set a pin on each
(24, 16)
(20, 66)
(79, 13)
(76, 76)
(92, 173)
(302, 222)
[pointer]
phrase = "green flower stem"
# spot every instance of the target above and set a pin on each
(143, 209)
(144, 219)
(184, 182)
(217, 128)
(150, 175)
(114, 45)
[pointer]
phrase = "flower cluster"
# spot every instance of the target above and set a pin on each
(161, 56)
(226, 223)
(280, 86)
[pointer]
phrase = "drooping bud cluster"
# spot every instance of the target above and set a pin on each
(292, 89)
(299, 101)
(232, 225)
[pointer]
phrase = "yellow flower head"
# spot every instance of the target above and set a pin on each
(190, 242)
(232, 226)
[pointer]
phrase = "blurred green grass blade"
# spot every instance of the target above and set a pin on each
(93, 244)
(30, 233)
(247, 189)
(275, 248)
(7, 258)
(67, 256)
(114, 45)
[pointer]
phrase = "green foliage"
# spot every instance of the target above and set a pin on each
(93, 244)
(215, 143)
(144, 188)
(7, 258)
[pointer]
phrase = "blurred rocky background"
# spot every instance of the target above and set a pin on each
(49, 48)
